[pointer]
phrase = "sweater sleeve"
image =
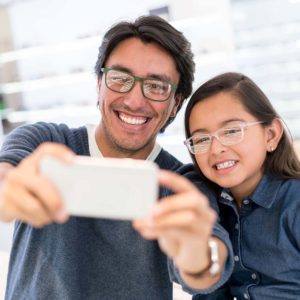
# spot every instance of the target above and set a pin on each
(20, 143)
(23, 140)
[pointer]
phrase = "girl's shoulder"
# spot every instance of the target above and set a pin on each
(291, 183)
(289, 192)
(276, 192)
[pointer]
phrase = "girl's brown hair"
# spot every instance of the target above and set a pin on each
(283, 162)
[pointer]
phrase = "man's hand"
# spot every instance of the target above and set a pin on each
(28, 196)
(182, 224)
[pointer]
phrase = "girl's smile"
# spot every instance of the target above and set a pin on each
(225, 166)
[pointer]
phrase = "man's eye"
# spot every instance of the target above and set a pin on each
(156, 87)
(120, 79)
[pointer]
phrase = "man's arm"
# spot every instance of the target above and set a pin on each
(203, 279)
(4, 168)
(183, 224)
(27, 196)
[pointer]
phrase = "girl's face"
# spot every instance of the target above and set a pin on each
(238, 167)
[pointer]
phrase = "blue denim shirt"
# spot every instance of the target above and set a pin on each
(265, 234)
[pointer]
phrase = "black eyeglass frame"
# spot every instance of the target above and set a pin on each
(141, 79)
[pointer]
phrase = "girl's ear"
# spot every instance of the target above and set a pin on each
(274, 133)
(178, 100)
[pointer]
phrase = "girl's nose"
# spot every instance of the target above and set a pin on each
(216, 146)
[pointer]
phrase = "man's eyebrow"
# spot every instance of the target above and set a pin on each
(160, 77)
(222, 124)
(151, 75)
(120, 68)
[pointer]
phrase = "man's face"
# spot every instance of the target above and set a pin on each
(130, 122)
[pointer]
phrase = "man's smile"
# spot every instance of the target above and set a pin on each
(133, 120)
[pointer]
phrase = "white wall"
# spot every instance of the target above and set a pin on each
(6, 231)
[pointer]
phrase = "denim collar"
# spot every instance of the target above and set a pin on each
(264, 195)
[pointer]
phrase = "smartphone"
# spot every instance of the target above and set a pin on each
(113, 188)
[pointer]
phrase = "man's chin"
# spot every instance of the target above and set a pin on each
(133, 147)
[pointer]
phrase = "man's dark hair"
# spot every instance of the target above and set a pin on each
(153, 29)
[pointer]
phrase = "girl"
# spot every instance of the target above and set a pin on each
(240, 147)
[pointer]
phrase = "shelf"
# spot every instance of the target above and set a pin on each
(51, 114)
(95, 40)
(31, 85)
(51, 49)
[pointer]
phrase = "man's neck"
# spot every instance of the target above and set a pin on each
(108, 149)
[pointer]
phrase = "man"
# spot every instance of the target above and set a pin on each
(145, 71)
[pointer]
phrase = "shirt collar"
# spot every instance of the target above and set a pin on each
(266, 192)
(264, 195)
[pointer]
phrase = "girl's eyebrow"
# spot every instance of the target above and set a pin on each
(222, 124)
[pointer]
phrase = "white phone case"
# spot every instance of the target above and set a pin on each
(104, 187)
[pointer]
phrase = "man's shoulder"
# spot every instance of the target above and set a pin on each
(50, 131)
(167, 161)
(45, 127)
(26, 138)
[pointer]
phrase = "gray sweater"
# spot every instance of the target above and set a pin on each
(88, 258)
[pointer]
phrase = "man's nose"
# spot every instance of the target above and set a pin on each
(135, 98)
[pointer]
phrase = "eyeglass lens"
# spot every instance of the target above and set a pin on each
(123, 82)
(226, 136)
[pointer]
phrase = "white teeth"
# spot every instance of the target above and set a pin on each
(132, 120)
(226, 164)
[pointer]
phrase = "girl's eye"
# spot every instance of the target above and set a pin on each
(201, 140)
(231, 131)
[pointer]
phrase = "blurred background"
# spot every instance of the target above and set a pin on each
(48, 50)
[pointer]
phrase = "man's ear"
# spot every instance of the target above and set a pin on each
(99, 82)
(178, 100)
(274, 133)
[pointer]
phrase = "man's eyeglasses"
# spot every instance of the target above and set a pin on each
(152, 88)
(200, 142)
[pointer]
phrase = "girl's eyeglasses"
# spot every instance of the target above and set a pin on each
(200, 142)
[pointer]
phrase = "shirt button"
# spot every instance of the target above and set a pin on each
(246, 201)
(246, 296)
(236, 258)
(253, 276)
(236, 226)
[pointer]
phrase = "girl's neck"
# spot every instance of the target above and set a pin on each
(240, 195)
(246, 188)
